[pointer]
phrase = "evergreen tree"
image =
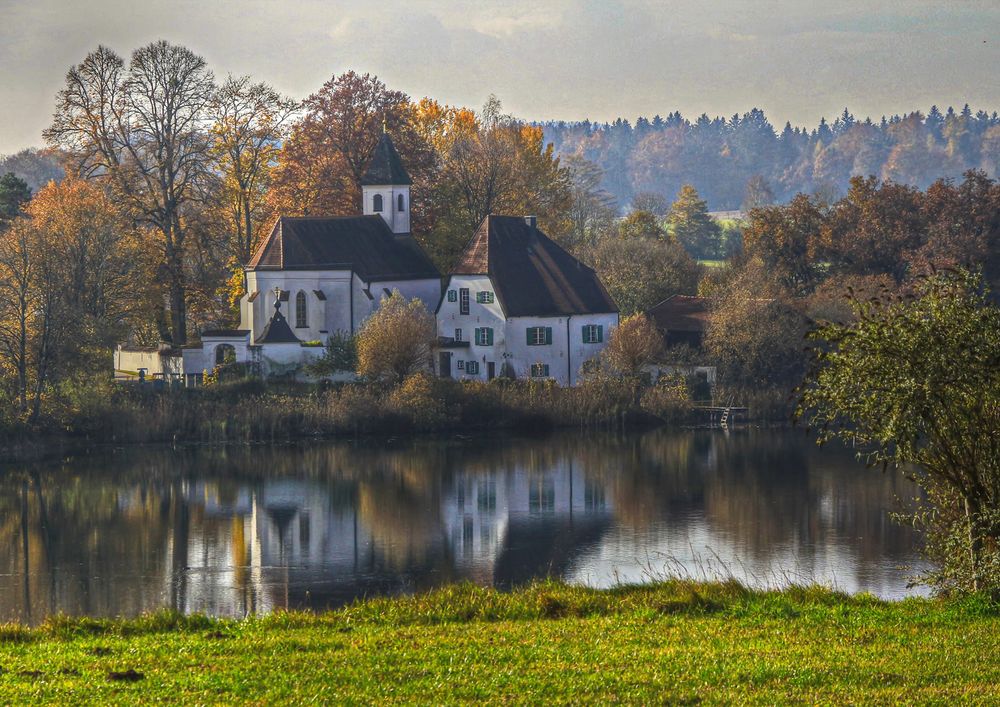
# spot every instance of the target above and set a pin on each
(691, 225)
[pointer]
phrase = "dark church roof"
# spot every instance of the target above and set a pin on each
(385, 166)
(364, 244)
(277, 331)
(531, 274)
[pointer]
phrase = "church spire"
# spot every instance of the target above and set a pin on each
(385, 186)
(386, 166)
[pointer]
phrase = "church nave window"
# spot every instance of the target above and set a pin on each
(377, 203)
(399, 201)
(301, 320)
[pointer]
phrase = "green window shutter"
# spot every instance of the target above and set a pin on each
(528, 336)
(548, 335)
(600, 333)
(452, 296)
(583, 334)
(489, 337)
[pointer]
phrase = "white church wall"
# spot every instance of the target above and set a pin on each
(323, 316)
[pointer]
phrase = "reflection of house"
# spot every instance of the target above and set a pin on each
(518, 304)
(521, 522)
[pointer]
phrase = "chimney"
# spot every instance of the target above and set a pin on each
(531, 221)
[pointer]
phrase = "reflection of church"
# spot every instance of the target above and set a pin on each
(301, 543)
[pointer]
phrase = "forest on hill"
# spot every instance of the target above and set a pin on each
(722, 157)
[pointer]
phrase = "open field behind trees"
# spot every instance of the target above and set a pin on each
(676, 641)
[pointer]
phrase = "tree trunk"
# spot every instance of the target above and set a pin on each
(975, 545)
(178, 311)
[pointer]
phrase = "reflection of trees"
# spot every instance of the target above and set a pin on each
(145, 527)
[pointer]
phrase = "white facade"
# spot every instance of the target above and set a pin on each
(559, 353)
(335, 300)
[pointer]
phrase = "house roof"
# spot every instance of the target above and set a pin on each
(385, 166)
(531, 274)
(277, 331)
(679, 313)
(364, 244)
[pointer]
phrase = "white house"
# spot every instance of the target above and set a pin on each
(314, 276)
(518, 304)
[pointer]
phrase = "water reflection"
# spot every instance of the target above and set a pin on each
(231, 531)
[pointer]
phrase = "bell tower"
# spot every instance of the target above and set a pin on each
(385, 187)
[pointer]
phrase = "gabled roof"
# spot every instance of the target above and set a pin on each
(364, 244)
(682, 313)
(385, 166)
(531, 274)
(277, 331)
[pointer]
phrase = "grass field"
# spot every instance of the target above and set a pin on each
(675, 642)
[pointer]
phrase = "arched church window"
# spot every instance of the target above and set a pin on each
(225, 354)
(300, 311)
(399, 201)
(377, 203)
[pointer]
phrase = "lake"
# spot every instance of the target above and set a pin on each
(236, 530)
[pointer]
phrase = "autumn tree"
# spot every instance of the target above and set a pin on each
(755, 334)
(873, 228)
(71, 276)
(689, 222)
(633, 344)
(251, 123)
(321, 163)
(642, 224)
(144, 129)
(639, 272)
(396, 340)
(785, 239)
(502, 167)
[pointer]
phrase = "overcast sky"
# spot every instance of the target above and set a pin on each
(565, 59)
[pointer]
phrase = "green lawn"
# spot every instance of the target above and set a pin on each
(675, 642)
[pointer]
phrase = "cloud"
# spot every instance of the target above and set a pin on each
(565, 59)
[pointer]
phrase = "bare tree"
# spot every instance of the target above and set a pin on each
(146, 130)
(593, 208)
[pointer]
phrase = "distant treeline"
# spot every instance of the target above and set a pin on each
(719, 157)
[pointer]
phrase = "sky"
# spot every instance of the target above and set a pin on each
(799, 60)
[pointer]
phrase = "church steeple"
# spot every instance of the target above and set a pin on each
(385, 186)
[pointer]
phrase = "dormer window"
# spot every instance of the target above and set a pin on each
(399, 202)
(377, 203)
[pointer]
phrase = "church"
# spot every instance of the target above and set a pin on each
(538, 312)
(314, 276)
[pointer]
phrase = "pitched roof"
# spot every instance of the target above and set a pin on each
(364, 244)
(277, 331)
(682, 313)
(385, 166)
(531, 274)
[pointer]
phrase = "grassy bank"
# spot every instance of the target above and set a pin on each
(675, 642)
